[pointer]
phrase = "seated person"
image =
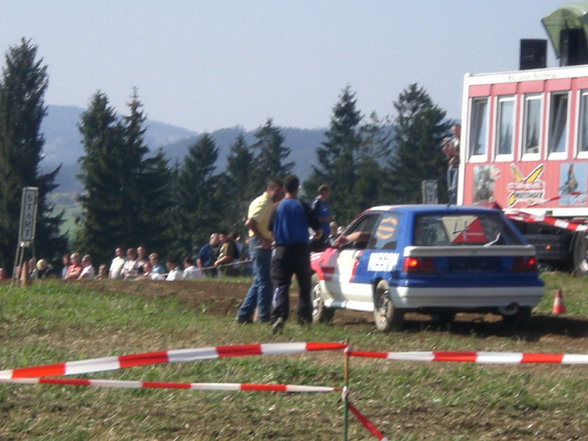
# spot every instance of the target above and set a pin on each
(359, 237)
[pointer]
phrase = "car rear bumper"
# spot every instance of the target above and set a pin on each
(466, 298)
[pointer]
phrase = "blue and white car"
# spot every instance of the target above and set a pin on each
(432, 259)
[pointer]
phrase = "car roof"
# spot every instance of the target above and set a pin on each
(421, 209)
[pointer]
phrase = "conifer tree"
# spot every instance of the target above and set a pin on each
(22, 109)
(239, 189)
(419, 127)
(337, 156)
(126, 200)
(371, 161)
(270, 155)
(199, 194)
(101, 174)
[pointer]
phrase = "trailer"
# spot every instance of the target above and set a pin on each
(525, 148)
(524, 141)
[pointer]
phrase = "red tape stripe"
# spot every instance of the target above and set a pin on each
(468, 357)
(126, 361)
(238, 351)
(40, 371)
(365, 422)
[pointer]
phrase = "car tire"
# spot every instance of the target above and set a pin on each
(580, 254)
(386, 316)
(519, 319)
(320, 313)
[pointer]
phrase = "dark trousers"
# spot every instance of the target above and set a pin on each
(286, 261)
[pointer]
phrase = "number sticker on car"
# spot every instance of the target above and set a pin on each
(382, 261)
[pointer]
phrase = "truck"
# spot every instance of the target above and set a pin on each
(524, 143)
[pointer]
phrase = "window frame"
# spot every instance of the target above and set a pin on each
(498, 125)
(527, 98)
(550, 153)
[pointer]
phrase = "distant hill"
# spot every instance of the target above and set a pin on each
(63, 144)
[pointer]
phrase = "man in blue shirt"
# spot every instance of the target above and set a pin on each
(290, 222)
(320, 209)
(207, 256)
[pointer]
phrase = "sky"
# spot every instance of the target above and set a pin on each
(206, 65)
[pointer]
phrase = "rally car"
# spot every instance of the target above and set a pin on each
(432, 259)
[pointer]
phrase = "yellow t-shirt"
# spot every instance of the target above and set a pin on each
(259, 211)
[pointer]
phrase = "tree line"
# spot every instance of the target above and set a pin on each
(133, 195)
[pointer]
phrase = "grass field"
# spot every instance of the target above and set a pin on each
(52, 322)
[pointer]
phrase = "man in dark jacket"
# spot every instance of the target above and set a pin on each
(290, 222)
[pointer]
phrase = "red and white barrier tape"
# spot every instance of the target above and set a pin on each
(366, 423)
(477, 357)
(124, 384)
(559, 223)
(172, 356)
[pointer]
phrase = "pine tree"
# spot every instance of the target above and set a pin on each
(199, 194)
(22, 109)
(270, 155)
(157, 196)
(126, 200)
(239, 189)
(371, 160)
(102, 168)
(337, 158)
(419, 127)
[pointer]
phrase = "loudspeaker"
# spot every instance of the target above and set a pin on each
(572, 47)
(533, 54)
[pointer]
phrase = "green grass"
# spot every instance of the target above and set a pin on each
(53, 322)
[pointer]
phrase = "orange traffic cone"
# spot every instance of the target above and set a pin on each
(558, 304)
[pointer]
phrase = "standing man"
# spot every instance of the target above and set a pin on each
(289, 223)
(451, 150)
(260, 252)
(321, 211)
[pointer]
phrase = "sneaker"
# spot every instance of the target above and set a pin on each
(278, 325)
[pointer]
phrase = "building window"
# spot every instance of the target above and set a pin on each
(583, 123)
(558, 122)
(505, 126)
(531, 125)
(478, 127)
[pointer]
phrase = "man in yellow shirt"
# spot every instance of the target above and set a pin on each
(260, 244)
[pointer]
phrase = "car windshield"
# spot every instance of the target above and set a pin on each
(450, 229)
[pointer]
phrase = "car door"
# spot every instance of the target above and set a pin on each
(346, 260)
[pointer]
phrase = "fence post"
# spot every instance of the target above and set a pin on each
(346, 389)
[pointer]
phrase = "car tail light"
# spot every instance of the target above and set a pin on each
(527, 263)
(418, 265)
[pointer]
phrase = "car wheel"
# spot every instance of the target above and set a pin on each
(519, 318)
(320, 313)
(386, 316)
(580, 259)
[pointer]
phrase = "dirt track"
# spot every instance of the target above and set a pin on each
(224, 298)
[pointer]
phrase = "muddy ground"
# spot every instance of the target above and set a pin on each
(224, 298)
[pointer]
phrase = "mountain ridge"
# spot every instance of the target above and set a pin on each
(63, 144)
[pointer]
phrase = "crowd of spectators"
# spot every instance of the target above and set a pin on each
(224, 254)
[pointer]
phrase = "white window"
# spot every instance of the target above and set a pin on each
(583, 125)
(478, 127)
(558, 124)
(505, 125)
(531, 126)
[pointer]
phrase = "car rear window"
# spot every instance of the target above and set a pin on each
(447, 229)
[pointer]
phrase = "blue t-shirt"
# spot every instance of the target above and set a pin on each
(290, 224)
(206, 253)
(321, 210)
